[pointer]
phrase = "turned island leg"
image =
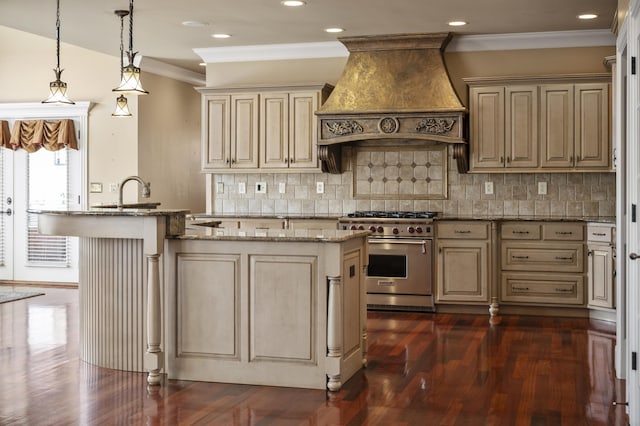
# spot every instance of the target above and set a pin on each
(334, 333)
(154, 356)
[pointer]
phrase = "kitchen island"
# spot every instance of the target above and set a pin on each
(267, 307)
(276, 307)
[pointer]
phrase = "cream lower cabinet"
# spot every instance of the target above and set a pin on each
(542, 263)
(601, 264)
(463, 262)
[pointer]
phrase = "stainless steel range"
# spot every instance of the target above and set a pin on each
(400, 270)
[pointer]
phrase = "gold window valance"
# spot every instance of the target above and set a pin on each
(5, 135)
(31, 135)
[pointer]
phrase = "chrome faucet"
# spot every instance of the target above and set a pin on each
(146, 188)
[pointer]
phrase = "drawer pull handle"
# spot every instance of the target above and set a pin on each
(520, 288)
(519, 257)
(519, 232)
(462, 232)
(564, 258)
(599, 234)
(564, 290)
(564, 232)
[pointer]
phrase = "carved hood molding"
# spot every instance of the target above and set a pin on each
(393, 87)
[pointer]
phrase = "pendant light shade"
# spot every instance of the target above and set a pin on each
(122, 105)
(130, 82)
(58, 88)
(122, 108)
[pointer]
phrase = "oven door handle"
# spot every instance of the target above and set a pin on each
(423, 243)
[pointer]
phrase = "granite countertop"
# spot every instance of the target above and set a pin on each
(281, 235)
(112, 212)
(598, 219)
(282, 216)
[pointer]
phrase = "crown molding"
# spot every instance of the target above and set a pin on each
(461, 43)
(155, 66)
(272, 52)
(33, 110)
(545, 40)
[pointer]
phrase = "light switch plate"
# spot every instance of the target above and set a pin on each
(220, 187)
(282, 187)
(95, 187)
(320, 187)
(542, 188)
(261, 187)
(242, 188)
(488, 188)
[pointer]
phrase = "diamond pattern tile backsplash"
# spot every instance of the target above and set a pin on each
(568, 194)
(401, 173)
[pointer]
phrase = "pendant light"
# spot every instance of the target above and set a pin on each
(130, 82)
(122, 106)
(57, 88)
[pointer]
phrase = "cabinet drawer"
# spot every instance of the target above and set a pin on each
(463, 230)
(563, 231)
(520, 231)
(543, 289)
(600, 233)
(552, 258)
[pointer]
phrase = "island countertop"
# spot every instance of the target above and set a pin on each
(290, 235)
(112, 212)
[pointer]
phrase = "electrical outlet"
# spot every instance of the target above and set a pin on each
(261, 187)
(320, 187)
(220, 187)
(542, 188)
(488, 188)
(242, 188)
(282, 187)
(113, 187)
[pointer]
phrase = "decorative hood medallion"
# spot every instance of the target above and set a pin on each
(392, 87)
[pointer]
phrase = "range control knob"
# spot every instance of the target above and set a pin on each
(380, 229)
(353, 227)
(419, 229)
(372, 228)
(361, 228)
(396, 231)
(411, 229)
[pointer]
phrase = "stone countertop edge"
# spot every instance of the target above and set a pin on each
(112, 212)
(595, 219)
(261, 216)
(272, 235)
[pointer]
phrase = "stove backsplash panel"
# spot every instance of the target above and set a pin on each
(568, 194)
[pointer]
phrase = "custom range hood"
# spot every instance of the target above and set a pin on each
(393, 87)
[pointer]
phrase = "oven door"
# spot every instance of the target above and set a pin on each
(400, 266)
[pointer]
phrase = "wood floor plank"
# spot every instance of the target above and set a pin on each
(424, 369)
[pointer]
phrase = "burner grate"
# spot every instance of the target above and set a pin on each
(394, 214)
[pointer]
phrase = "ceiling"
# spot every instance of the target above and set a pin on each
(159, 33)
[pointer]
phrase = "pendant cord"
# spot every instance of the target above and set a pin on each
(130, 26)
(58, 34)
(121, 45)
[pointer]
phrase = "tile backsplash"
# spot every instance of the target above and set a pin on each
(568, 194)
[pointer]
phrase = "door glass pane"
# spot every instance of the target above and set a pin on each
(48, 189)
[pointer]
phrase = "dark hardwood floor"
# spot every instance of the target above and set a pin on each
(424, 369)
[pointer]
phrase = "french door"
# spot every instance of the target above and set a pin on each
(43, 180)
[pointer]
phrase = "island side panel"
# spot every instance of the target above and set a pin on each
(112, 303)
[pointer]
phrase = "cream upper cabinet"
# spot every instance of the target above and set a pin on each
(289, 130)
(258, 128)
(542, 124)
(504, 127)
(229, 131)
(575, 126)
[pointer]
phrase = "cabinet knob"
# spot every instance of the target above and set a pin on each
(227, 161)
(286, 161)
(502, 159)
(633, 256)
(508, 159)
(291, 160)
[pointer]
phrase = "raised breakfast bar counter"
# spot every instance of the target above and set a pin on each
(281, 308)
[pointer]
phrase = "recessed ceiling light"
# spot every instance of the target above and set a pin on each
(293, 3)
(457, 23)
(195, 24)
(219, 35)
(334, 30)
(587, 16)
